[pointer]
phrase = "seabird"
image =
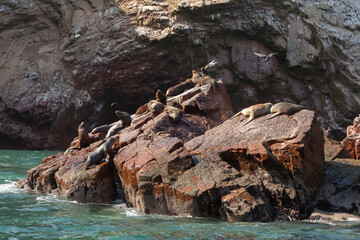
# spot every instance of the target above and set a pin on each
(267, 57)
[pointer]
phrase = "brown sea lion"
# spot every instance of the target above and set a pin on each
(124, 117)
(100, 153)
(155, 106)
(174, 113)
(180, 88)
(125, 121)
(102, 128)
(160, 96)
(141, 109)
(255, 111)
(284, 108)
(195, 77)
(84, 139)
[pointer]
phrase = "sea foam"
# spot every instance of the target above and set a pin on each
(8, 187)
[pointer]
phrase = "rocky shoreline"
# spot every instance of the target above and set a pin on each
(209, 165)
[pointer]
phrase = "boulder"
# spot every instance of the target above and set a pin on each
(204, 165)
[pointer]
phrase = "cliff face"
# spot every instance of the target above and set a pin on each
(63, 61)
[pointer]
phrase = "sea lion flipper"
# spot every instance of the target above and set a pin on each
(274, 115)
(239, 113)
(252, 116)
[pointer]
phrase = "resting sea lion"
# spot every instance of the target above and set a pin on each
(174, 113)
(102, 128)
(180, 88)
(155, 106)
(285, 108)
(141, 109)
(84, 139)
(100, 153)
(255, 111)
(195, 77)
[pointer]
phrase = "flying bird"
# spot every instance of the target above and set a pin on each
(267, 57)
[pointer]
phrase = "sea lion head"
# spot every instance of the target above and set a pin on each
(195, 73)
(114, 106)
(268, 105)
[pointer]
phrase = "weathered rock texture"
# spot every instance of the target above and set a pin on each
(63, 62)
(205, 165)
(340, 191)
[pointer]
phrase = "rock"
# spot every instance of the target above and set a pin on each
(65, 174)
(204, 165)
(321, 216)
(340, 192)
(71, 60)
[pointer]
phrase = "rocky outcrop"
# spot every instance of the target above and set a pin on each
(338, 197)
(204, 165)
(63, 62)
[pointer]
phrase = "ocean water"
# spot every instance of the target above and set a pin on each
(26, 215)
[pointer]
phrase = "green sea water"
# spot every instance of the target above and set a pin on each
(26, 215)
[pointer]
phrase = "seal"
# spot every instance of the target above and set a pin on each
(180, 88)
(102, 128)
(100, 153)
(285, 108)
(125, 121)
(124, 117)
(195, 77)
(206, 79)
(84, 139)
(114, 129)
(255, 111)
(141, 109)
(160, 96)
(174, 113)
(155, 106)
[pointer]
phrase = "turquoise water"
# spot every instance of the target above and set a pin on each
(26, 215)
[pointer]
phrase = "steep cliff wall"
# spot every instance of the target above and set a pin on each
(65, 61)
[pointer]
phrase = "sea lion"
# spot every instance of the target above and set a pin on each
(124, 117)
(174, 113)
(102, 128)
(114, 129)
(160, 96)
(255, 111)
(284, 108)
(180, 88)
(84, 139)
(205, 80)
(125, 121)
(155, 106)
(142, 109)
(195, 77)
(100, 153)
